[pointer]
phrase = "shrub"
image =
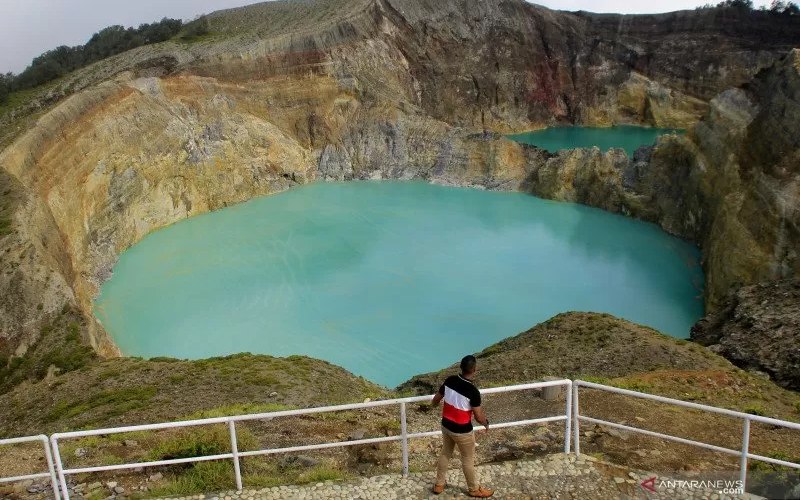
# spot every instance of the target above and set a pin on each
(321, 473)
(755, 410)
(239, 409)
(201, 441)
(120, 400)
(196, 29)
(107, 42)
(202, 477)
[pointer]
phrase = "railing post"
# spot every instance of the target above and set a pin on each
(745, 452)
(404, 435)
(60, 468)
(576, 425)
(50, 468)
(235, 452)
(568, 420)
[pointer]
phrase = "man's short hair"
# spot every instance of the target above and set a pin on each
(468, 364)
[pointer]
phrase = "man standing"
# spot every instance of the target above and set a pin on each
(462, 400)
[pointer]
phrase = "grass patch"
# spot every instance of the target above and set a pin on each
(164, 359)
(321, 473)
(239, 409)
(755, 409)
(5, 226)
(633, 385)
(200, 442)
(123, 400)
(218, 475)
(59, 346)
(21, 97)
(202, 477)
(265, 474)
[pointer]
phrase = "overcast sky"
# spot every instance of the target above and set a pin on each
(30, 27)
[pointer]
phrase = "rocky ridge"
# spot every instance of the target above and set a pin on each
(758, 328)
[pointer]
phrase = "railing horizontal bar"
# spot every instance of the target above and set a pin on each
(22, 478)
(390, 402)
(27, 439)
(291, 413)
(307, 447)
(174, 461)
(496, 426)
(522, 387)
(663, 436)
(518, 423)
(686, 404)
(773, 460)
(413, 435)
(337, 444)
(146, 427)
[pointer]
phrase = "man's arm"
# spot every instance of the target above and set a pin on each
(437, 398)
(480, 416)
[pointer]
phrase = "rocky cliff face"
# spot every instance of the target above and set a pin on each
(758, 328)
(285, 93)
(731, 184)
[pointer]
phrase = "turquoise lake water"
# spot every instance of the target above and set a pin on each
(389, 279)
(627, 137)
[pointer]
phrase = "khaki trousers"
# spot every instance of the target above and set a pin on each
(466, 447)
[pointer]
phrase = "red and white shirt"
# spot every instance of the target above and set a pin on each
(460, 396)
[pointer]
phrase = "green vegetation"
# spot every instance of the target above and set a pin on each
(755, 409)
(60, 346)
(129, 391)
(239, 409)
(197, 442)
(196, 29)
(6, 82)
(118, 402)
(5, 226)
(776, 7)
(107, 42)
(202, 477)
(218, 476)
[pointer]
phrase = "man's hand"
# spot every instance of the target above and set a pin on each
(437, 398)
(480, 416)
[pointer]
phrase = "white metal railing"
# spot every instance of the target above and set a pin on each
(743, 453)
(571, 417)
(48, 456)
(235, 455)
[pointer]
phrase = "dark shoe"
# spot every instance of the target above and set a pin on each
(438, 489)
(481, 493)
